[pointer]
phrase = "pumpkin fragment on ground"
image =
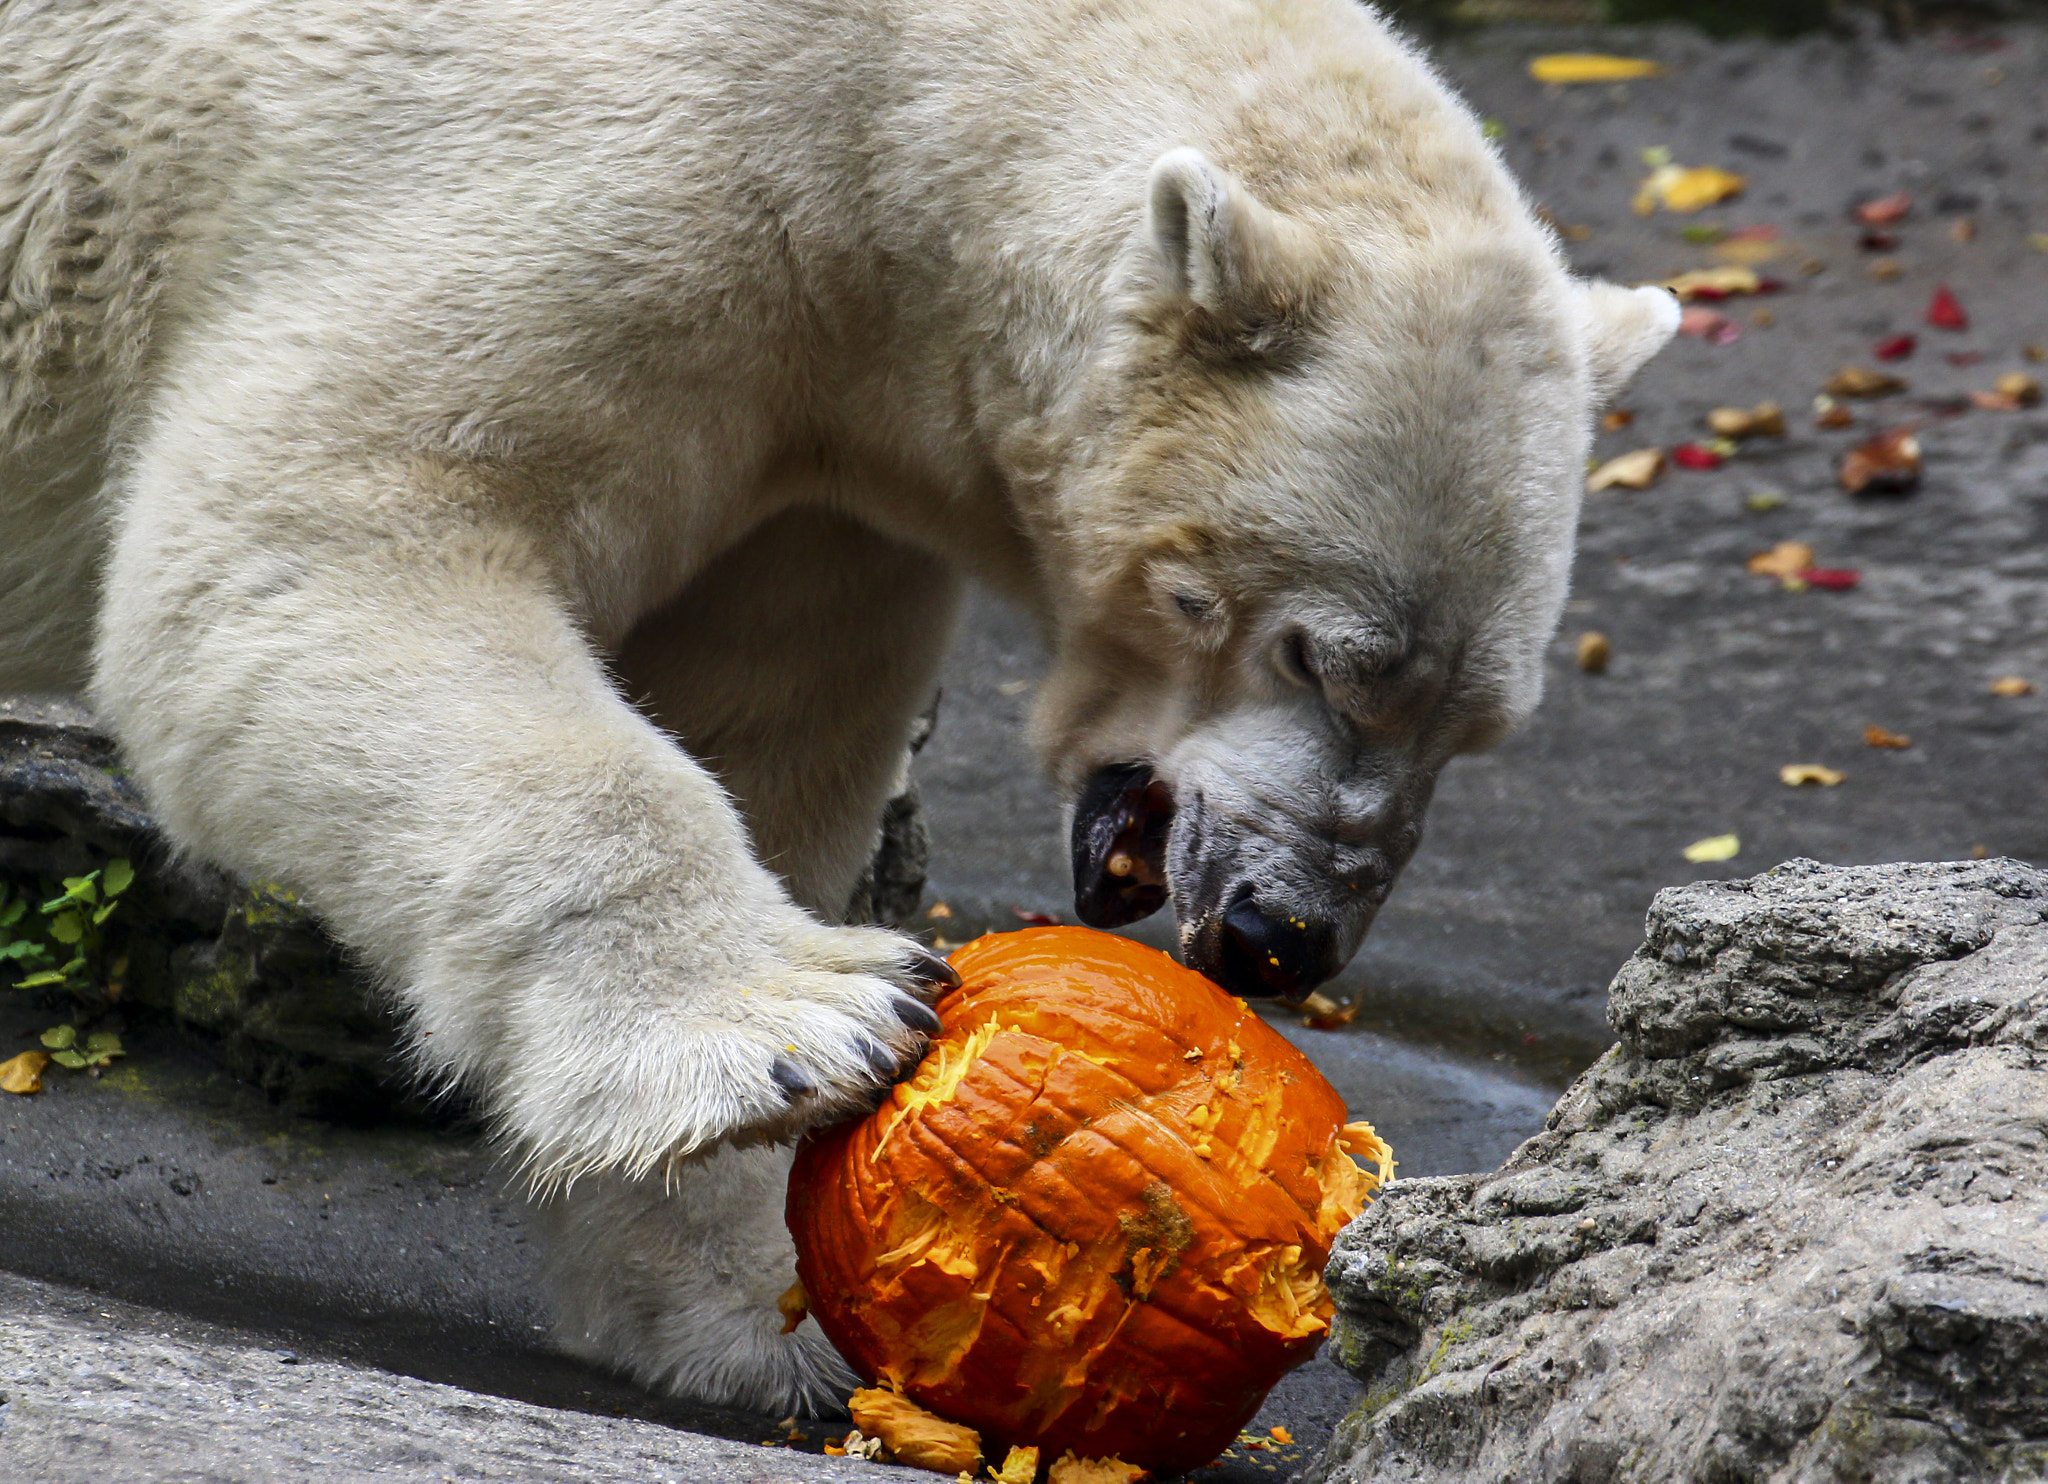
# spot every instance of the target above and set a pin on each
(913, 1435)
(1067, 1469)
(1095, 1219)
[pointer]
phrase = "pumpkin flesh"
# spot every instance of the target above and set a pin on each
(1096, 1217)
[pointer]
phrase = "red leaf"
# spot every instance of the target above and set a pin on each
(1945, 311)
(1896, 347)
(1885, 210)
(1693, 456)
(1964, 357)
(1832, 579)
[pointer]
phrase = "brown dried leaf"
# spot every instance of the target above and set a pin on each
(1785, 560)
(1888, 464)
(1857, 381)
(1765, 420)
(2004, 685)
(1594, 652)
(1876, 736)
(2023, 389)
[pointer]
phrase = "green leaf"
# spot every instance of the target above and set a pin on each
(77, 963)
(76, 889)
(24, 948)
(101, 914)
(37, 981)
(103, 1043)
(67, 927)
(69, 1059)
(13, 911)
(60, 1037)
(119, 877)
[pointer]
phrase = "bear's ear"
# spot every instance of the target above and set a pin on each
(1624, 328)
(1219, 248)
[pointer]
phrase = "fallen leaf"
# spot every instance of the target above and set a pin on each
(2019, 386)
(1872, 240)
(23, 1074)
(1828, 413)
(1945, 311)
(1749, 252)
(1884, 270)
(1963, 229)
(1713, 848)
(1704, 233)
(1707, 324)
(1635, 471)
(2035, 353)
(2038, 241)
(1616, 420)
(1677, 188)
(1720, 283)
(1785, 560)
(1335, 1018)
(1759, 501)
(2004, 685)
(1763, 319)
(1696, 456)
(1798, 775)
(1594, 652)
(1895, 347)
(1884, 211)
(1765, 420)
(1888, 464)
(1876, 736)
(1856, 381)
(1994, 402)
(1568, 67)
(1830, 579)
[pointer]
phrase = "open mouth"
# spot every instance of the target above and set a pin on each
(1120, 827)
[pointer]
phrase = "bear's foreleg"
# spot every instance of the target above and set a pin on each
(364, 683)
(794, 667)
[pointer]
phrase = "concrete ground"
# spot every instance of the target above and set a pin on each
(392, 1265)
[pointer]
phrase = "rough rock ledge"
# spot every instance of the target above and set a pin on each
(1793, 1227)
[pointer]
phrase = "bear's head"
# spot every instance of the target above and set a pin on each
(1311, 531)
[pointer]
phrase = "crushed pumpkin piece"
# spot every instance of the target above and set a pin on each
(922, 1439)
(794, 1306)
(1068, 1469)
(1020, 1466)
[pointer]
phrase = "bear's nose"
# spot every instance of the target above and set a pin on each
(1263, 955)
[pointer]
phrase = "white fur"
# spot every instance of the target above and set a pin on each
(517, 461)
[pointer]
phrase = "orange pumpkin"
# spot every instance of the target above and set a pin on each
(1096, 1217)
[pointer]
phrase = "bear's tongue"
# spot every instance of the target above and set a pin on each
(1120, 825)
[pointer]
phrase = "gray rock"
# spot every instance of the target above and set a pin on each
(102, 1392)
(1793, 1226)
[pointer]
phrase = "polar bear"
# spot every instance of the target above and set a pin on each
(507, 470)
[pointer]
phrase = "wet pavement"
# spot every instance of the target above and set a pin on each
(1481, 991)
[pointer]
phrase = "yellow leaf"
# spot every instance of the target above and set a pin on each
(1591, 67)
(1787, 560)
(1635, 471)
(23, 1074)
(1797, 775)
(1714, 283)
(1678, 188)
(2012, 685)
(1713, 848)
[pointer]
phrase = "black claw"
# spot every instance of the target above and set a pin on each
(928, 968)
(791, 1078)
(881, 1059)
(915, 1013)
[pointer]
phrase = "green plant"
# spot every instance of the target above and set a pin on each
(70, 920)
(95, 1050)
